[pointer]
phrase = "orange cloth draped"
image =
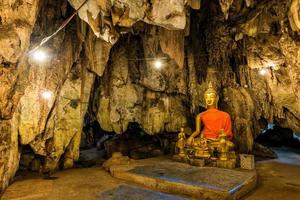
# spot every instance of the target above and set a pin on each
(214, 120)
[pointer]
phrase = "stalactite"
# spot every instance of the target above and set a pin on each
(195, 4)
(172, 43)
(225, 6)
(294, 16)
(192, 80)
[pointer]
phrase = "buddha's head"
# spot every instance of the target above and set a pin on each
(211, 97)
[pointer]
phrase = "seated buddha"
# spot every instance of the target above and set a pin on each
(214, 121)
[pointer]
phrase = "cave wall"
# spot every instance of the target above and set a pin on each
(51, 127)
(104, 60)
(131, 90)
(227, 52)
(17, 22)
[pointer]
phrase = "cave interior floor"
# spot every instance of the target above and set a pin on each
(277, 179)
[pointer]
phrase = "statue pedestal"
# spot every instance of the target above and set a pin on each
(164, 175)
(228, 164)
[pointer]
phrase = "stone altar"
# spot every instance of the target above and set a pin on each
(165, 175)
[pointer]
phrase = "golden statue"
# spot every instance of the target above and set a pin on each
(213, 119)
(213, 140)
(224, 146)
(201, 148)
(181, 143)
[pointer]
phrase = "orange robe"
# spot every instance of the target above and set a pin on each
(214, 120)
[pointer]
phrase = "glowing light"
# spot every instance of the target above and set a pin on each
(47, 95)
(262, 71)
(157, 64)
(271, 64)
(39, 55)
(274, 66)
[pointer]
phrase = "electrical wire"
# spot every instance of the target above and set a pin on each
(63, 25)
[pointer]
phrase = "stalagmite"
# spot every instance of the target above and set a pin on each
(172, 43)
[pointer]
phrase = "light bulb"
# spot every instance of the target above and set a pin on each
(262, 71)
(47, 95)
(271, 64)
(39, 55)
(157, 64)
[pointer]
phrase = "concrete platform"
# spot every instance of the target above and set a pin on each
(128, 192)
(178, 178)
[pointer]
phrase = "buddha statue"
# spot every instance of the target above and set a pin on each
(201, 148)
(224, 146)
(213, 120)
(181, 143)
(210, 144)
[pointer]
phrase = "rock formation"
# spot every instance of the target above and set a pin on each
(103, 63)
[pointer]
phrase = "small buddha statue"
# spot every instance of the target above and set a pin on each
(181, 143)
(225, 146)
(213, 120)
(201, 148)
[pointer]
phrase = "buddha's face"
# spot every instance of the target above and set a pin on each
(211, 100)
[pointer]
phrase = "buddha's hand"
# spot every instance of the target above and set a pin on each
(190, 141)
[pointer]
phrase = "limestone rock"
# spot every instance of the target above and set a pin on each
(103, 114)
(261, 151)
(9, 44)
(123, 99)
(103, 15)
(195, 4)
(16, 27)
(225, 6)
(28, 116)
(9, 152)
(98, 52)
(126, 13)
(116, 160)
(249, 2)
(242, 112)
(90, 157)
(172, 43)
(89, 11)
(294, 15)
(168, 13)
(92, 14)
(17, 20)
(120, 109)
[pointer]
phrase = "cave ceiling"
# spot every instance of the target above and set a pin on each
(101, 65)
